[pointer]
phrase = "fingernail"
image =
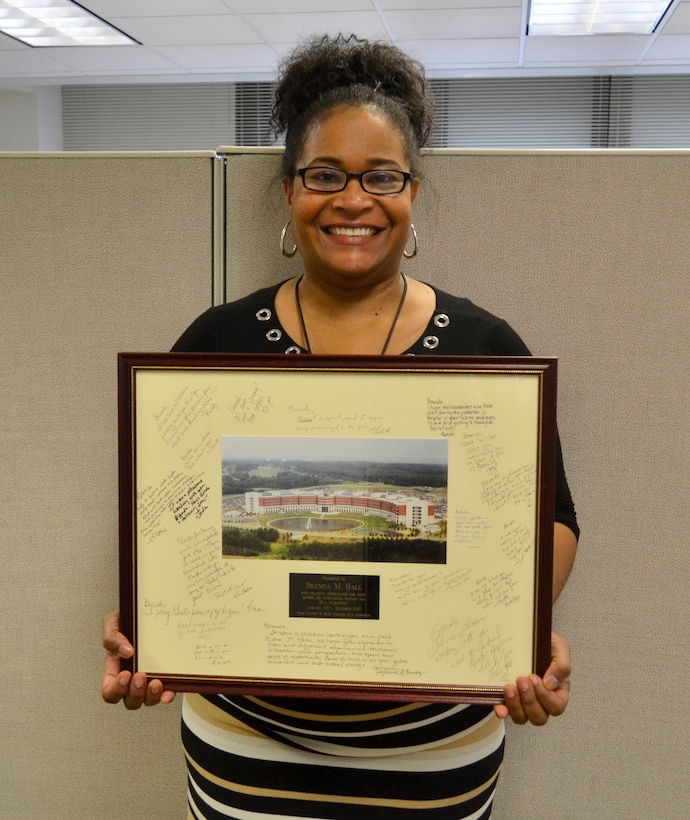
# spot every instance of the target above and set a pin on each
(551, 682)
(523, 686)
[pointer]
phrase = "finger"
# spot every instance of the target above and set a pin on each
(115, 687)
(136, 692)
(532, 709)
(112, 664)
(513, 704)
(560, 667)
(113, 640)
(111, 624)
(554, 702)
(155, 694)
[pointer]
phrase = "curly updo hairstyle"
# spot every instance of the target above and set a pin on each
(327, 72)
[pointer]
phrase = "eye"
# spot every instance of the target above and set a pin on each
(383, 181)
(325, 176)
(383, 178)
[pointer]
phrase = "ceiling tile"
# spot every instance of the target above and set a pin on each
(281, 28)
(474, 5)
(437, 54)
(127, 59)
(9, 44)
(461, 24)
(225, 59)
(300, 6)
(594, 50)
(109, 9)
(28, 64)
(675, 47)
(679, 21)
(166, 31)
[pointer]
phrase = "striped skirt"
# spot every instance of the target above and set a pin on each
(251, 758)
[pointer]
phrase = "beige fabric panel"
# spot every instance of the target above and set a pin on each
(587, 255)
(98, 254)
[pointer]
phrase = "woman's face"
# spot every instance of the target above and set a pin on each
(351, 237)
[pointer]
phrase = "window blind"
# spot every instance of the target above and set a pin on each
(254, 106)
(659, 111)
(148, 117)
(549, 112)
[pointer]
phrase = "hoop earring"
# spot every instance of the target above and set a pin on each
(287, 253)
(413, 252)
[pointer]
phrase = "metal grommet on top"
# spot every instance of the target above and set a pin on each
(430, 342)
(441, 320)
(274, 335)
(263, 315)
(294, 349)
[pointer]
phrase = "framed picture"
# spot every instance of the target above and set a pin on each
(356, 527)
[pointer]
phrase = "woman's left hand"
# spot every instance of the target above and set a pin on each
(533, 699)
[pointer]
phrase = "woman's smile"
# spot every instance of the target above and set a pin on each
(340, 230)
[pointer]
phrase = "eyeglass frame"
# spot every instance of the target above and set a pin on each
(406, 175)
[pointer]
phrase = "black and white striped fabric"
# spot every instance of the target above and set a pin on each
(250, 758)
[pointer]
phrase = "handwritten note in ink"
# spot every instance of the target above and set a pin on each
(482, 451)
(472, 643)
(445, 417)
(410, 588)
(203, 568)
(176, 498)
(177, 418)
(494, 591)
(341, 423)
(514, 487)
(246, 408)
(516, 542)
(471, 529)
(326, 649)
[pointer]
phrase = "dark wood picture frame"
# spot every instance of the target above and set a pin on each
(452, 627)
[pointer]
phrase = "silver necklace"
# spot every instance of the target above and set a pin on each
(307, 346)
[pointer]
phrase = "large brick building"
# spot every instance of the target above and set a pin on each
(410, 511)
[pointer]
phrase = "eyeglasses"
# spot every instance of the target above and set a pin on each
(332, 180)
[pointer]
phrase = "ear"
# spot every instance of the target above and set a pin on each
(288, 187)
(414, 188)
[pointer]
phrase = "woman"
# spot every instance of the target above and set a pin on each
(355, 116)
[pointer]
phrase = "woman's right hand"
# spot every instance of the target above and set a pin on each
(118, 685)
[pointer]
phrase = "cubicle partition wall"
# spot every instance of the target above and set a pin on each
(98, 253)
(587, 254)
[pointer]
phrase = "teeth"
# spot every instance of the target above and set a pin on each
(352, 231)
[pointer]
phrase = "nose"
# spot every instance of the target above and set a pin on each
(353, 196)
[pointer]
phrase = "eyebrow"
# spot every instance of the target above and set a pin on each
(375, 162)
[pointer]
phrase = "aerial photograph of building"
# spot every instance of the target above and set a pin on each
(335, 499)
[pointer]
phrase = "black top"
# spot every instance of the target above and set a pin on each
(250, 325)
(457, 328)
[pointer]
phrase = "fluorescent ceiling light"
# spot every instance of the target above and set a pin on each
(604, 17)
(43, 23)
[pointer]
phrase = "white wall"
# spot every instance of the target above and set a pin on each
(31, 120)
